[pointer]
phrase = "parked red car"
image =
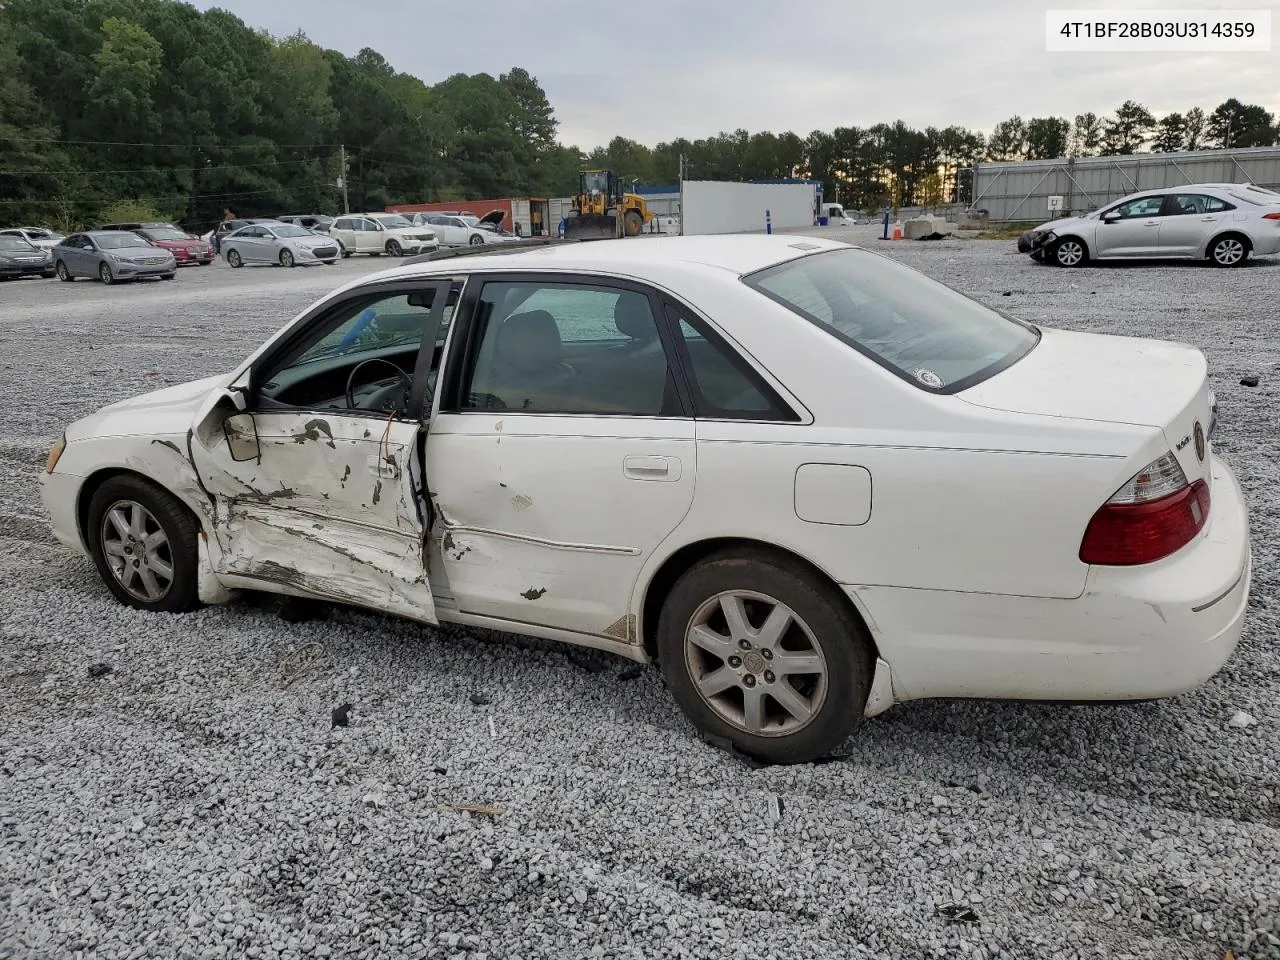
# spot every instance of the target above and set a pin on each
(187, 248)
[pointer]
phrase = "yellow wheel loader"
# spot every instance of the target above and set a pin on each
(601, 211)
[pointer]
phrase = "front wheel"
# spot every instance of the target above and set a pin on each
(286, 258)
(63, 273)
(759, 651)
(394, 249)
(476, 240)
(1069, 253)
(633, 223)
(105, 274)
(1228, 252)
(233, 258)
(143, 542)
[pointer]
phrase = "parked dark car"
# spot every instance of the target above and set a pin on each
(19, 258)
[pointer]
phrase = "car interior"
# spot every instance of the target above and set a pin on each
(362, 359)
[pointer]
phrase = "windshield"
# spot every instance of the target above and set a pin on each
(920, 329)
(16, 244)
(117, 241)
(166, 233)
(292, 230)
(394, 223)
(595, 182)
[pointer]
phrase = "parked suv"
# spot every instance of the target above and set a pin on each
(379, 233)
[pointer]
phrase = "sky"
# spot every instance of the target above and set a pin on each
(664, 69)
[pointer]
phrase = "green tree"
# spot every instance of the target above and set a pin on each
(1193, 124)
(1171, 134)
(1128, 130)
(1047, 137)
(1008, 140)
(1086, 135)
(1236, 124)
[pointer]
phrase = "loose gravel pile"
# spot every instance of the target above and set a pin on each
(177, 786)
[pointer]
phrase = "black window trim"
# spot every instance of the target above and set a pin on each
(464, 342)
(1169, 200)
(736, 359)
(964, 383)
(302, 327)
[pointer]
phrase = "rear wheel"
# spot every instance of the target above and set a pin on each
(1069, 252)
(761, 652)
(143, 542)
(286, 258)
(63, 273)
(633, 222)
(394, 249)
(233, 258)
(104, 273)
(1229, 251)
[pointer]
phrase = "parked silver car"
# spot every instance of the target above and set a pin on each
(111, 256)
(1223, 222)
(286, 244)
(36, 236)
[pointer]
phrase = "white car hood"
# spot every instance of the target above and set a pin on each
(1065, 223)
(160, 412)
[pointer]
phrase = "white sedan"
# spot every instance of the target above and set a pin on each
(806, 480)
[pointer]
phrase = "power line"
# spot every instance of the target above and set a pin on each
(223, 166)
(171, 196)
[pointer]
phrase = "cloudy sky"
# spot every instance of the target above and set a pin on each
(661, 69)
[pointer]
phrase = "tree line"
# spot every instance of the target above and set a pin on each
(122, 109)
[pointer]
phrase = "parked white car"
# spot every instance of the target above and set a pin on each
(36, 236)
(379, 233)
(283, 244)
(1225, 223)
(460, 230)
(807, 480)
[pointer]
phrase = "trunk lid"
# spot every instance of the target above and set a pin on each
(1085, 376)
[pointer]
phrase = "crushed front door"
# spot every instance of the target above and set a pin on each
(331, 506)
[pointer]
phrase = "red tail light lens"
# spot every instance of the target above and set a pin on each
(1128, 534)
(1271, 216)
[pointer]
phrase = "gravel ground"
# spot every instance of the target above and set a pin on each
(195, 801)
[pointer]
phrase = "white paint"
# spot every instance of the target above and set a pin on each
(834, 493)
(712, 206)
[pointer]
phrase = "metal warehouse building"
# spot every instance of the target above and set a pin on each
(1025, 190)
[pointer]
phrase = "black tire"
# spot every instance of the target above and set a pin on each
(633, 223)
(286, 258)
(836, 632)
(234, 259)
(394, 249)
(64, 274)
(476, 240)
(1229, 250)
(105, 274)
(179, 527)
(1069, 252)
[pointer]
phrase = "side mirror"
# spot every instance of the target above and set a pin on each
(1110, 217)
(242, 437)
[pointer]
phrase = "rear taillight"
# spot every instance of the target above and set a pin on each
(1153, 515)
(1271, 216)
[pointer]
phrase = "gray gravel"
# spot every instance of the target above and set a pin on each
(194, 801)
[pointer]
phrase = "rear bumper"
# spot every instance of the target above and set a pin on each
(1135, 633)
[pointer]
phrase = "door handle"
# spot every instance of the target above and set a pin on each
(1208, 219)
(1152, 223)
(651, 468)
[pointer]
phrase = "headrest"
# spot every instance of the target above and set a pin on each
(530, 341)
(633, 318)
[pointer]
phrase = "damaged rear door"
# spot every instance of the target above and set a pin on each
(313, 457)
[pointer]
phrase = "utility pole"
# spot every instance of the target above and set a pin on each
(342, 178)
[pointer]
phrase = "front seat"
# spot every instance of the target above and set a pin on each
(530, 372)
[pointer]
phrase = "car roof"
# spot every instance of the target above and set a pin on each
(736, 253)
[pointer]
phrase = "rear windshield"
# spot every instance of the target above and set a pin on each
(918, 328)
(1255, 195)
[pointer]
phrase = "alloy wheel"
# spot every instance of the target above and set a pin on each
(756, 663)
(137, 550)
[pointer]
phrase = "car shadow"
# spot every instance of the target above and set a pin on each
(1265, 263)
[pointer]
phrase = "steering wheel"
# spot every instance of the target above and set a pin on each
(384, 398)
